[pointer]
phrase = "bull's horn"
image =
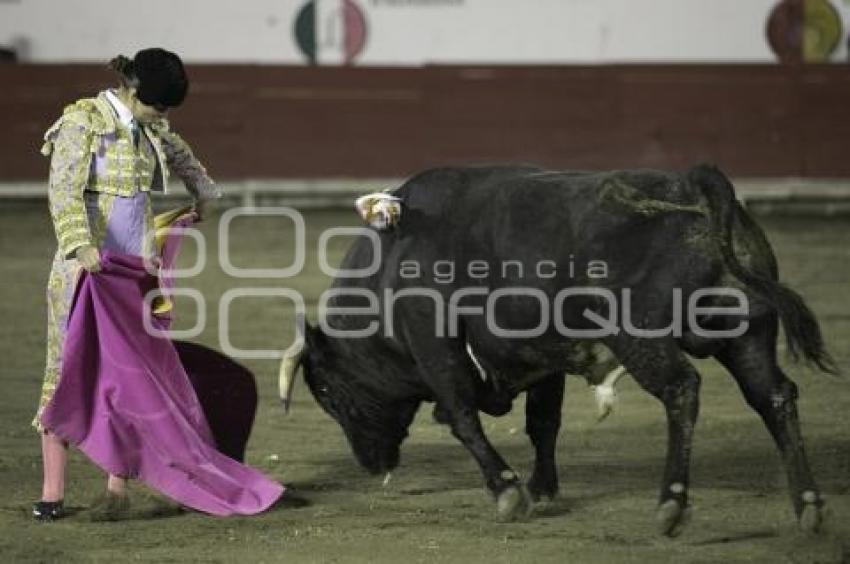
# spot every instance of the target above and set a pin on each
(292, 358)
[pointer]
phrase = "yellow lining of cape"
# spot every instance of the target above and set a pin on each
(162, 304)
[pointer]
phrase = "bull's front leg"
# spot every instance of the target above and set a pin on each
(451, 376)
(542, 423)
(513, 501)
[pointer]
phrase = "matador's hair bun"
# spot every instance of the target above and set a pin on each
(123, 66)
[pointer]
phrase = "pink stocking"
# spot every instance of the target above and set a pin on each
(54, 452)
(116, 485)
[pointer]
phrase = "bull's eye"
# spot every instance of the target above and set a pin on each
(323, 390)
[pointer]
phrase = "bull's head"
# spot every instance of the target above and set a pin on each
(349, 388)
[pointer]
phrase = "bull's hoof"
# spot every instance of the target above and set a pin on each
(543, 497)
(542, 490)
(812, 515)
(514, 504)
(672, 518)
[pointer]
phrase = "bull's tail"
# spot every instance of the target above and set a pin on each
(802, 331)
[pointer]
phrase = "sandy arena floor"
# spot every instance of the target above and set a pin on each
(435, 508)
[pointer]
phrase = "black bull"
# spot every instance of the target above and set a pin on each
(649, 238)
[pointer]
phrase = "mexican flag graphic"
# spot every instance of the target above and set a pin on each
(330, 32)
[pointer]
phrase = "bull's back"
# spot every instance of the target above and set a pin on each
(525, 214)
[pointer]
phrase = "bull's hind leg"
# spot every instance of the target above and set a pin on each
(661, 369)
(752, 361)
(542, 423)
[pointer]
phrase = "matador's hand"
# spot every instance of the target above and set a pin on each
(89, 258)
(199, 208)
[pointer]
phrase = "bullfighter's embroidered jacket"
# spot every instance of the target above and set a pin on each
(89, 128)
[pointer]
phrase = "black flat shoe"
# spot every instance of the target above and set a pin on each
(47, 511)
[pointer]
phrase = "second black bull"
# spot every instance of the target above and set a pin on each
(515, 263)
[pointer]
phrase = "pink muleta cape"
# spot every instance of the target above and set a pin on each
(125, 400)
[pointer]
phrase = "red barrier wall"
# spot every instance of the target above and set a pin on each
(272, 122)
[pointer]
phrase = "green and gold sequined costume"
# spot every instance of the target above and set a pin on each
(94, 164)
